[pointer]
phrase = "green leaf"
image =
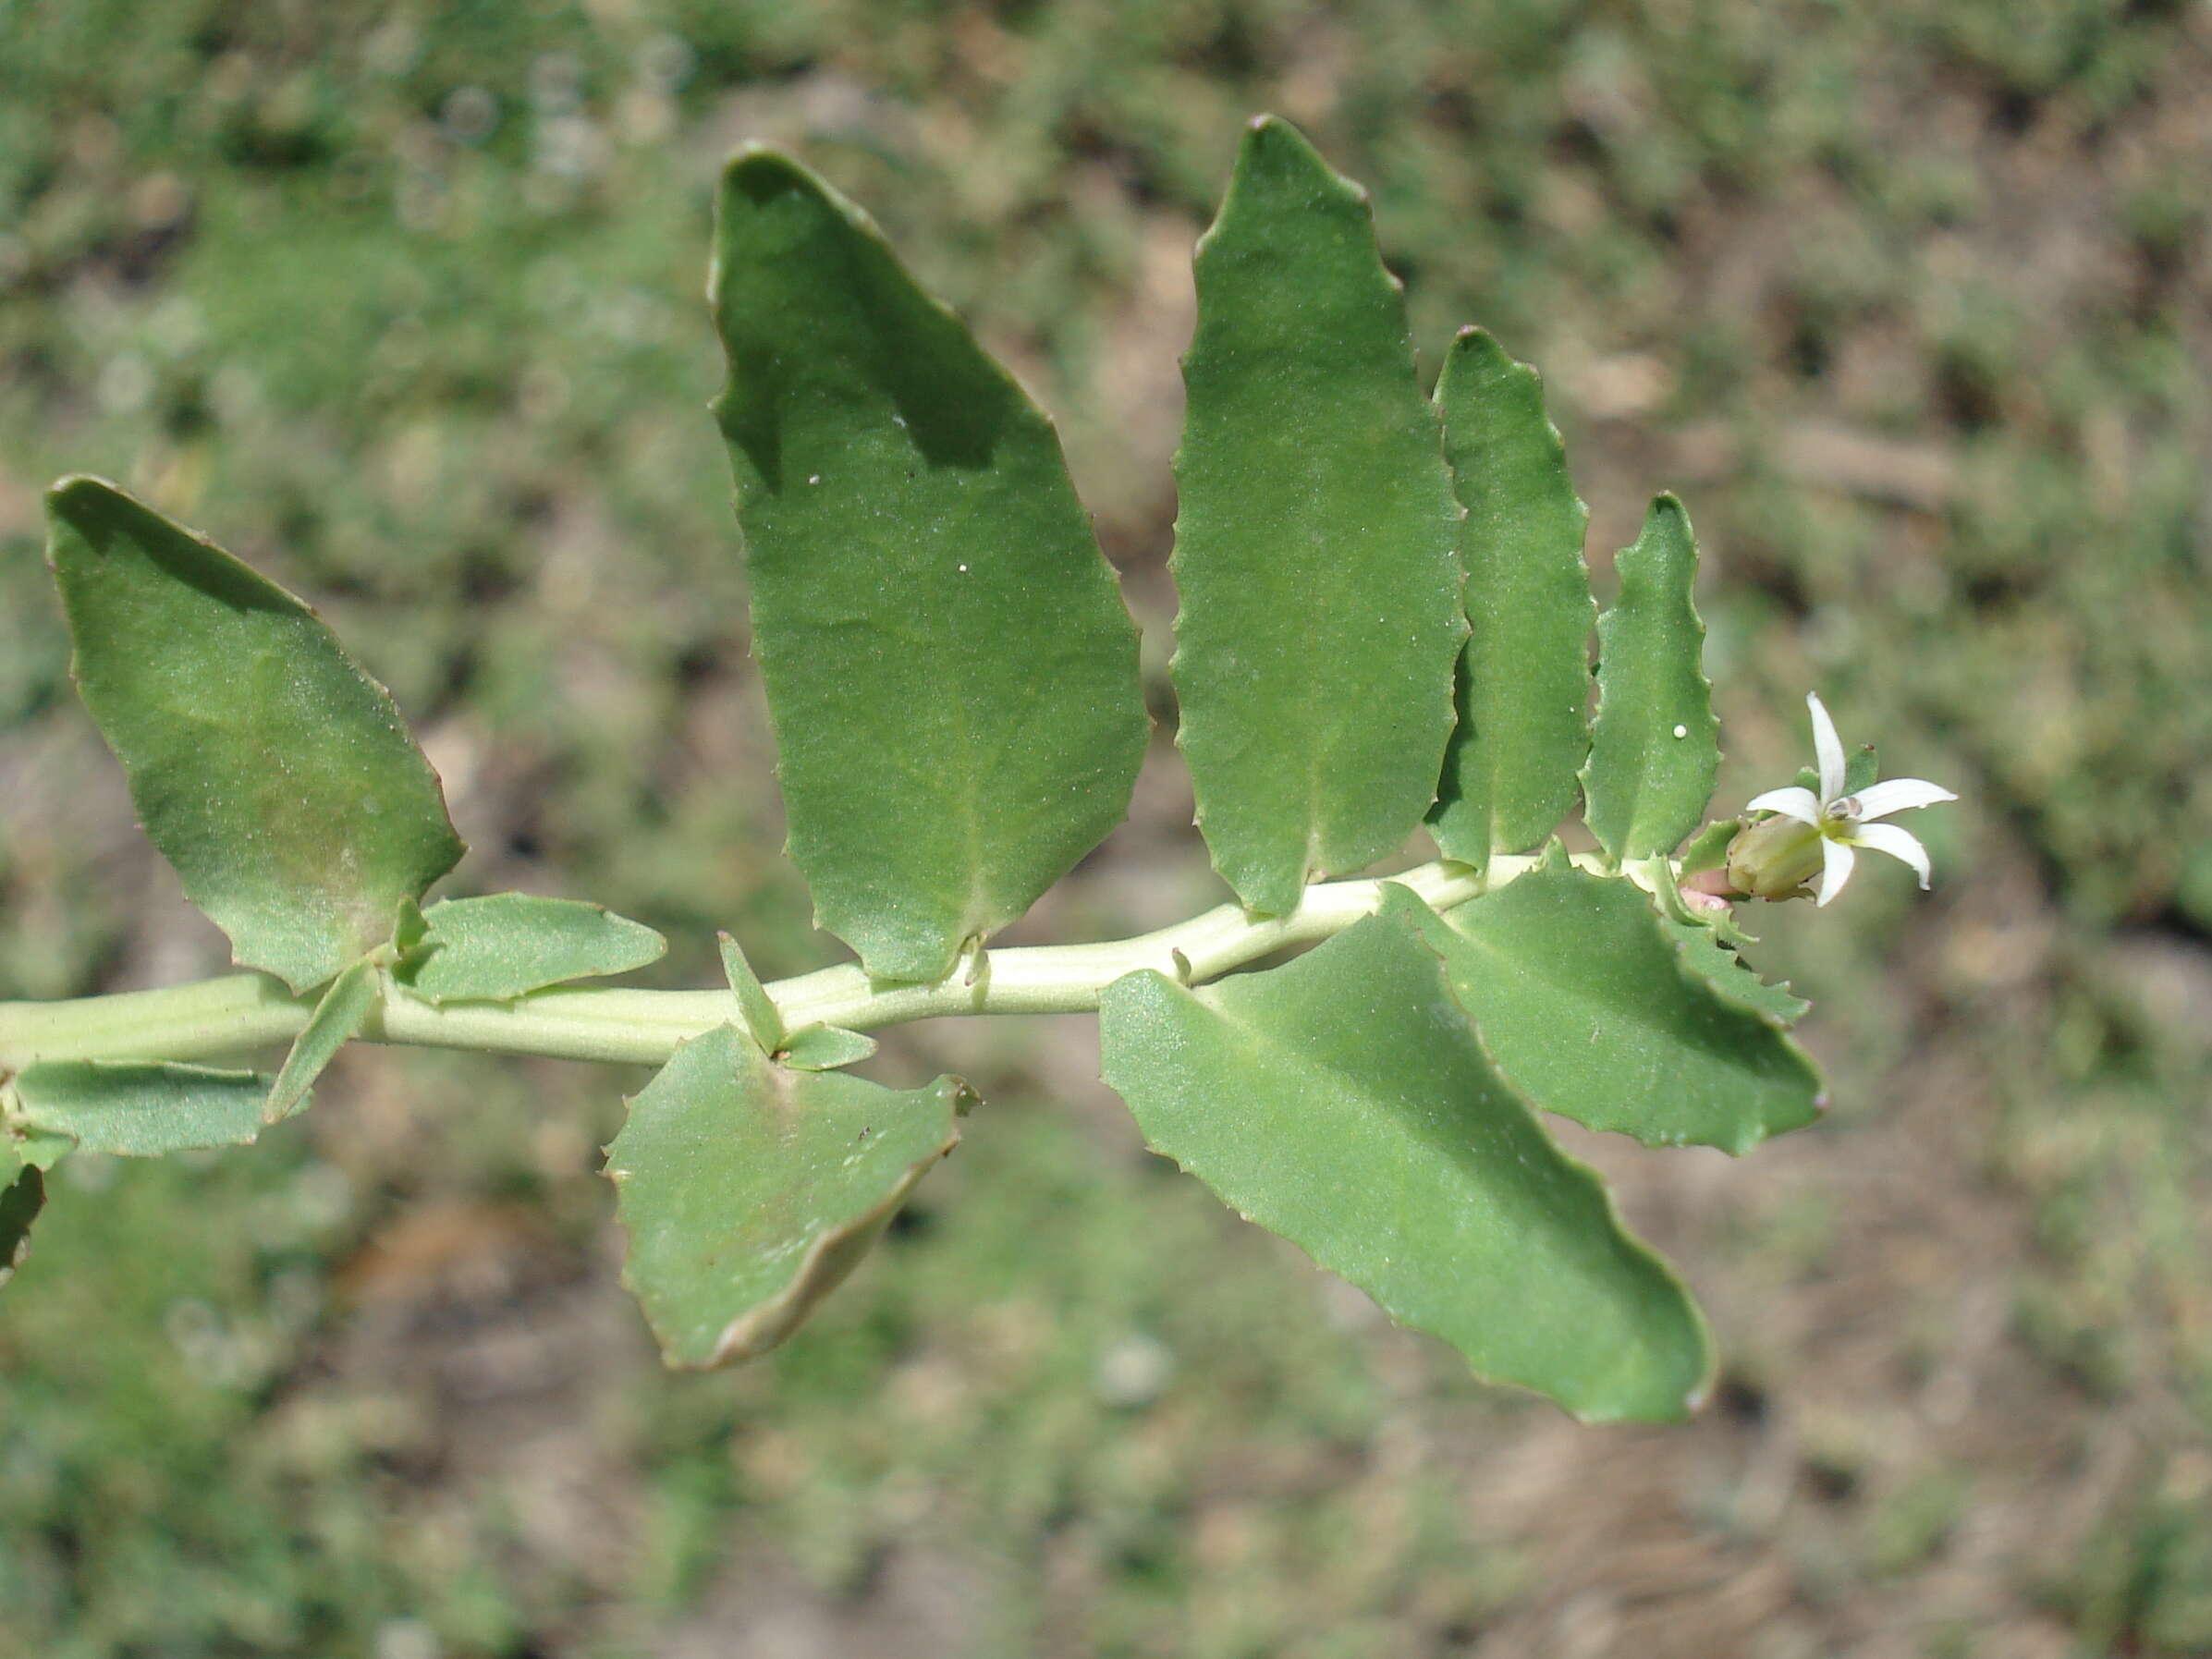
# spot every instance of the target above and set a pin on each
(950, 672)
(1582, 997)
(140, 1108)
(750, 1191)
(1524, 677)
(508, 944)
(1709, 848)
(1342, 1101)
(1653, 753)
(1315, 550)
(20, 1202)
(764, 1020)
(1862, 766)
(274, 774)
(40, 1149)
(1662, 880)
(336, 1021)
(824, 1048)
(1731, 977)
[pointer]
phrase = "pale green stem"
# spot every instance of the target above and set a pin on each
(244, 1012)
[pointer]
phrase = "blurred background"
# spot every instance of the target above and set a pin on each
(402, 303)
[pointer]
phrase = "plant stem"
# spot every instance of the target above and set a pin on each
(240, 1013)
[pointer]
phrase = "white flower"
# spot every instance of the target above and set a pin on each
(1843, 821)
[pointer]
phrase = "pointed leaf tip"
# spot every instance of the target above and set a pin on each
(1273, 133)
(764, 1020)
(338, 1020)
(763, 172)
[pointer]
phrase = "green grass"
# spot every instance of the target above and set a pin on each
(404, 306)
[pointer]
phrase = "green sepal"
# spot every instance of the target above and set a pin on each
(338, 1020)
(1316, 551)
(1644, 787)
(750, 1191)
(135, 1108)
(764, 1020)
(951, 674)
(1343, 1101)
(1862, 766)
(508, 944)
(824, 1048)
(276, 775)
(1583, 998)
(20, 1202)
(1523, 688)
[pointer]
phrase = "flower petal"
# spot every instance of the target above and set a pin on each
(1897, 794)
(1901, 845)
(1828, 747)
(1835, 861)
(1793, 802)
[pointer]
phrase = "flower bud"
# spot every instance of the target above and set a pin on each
(1775, 859)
